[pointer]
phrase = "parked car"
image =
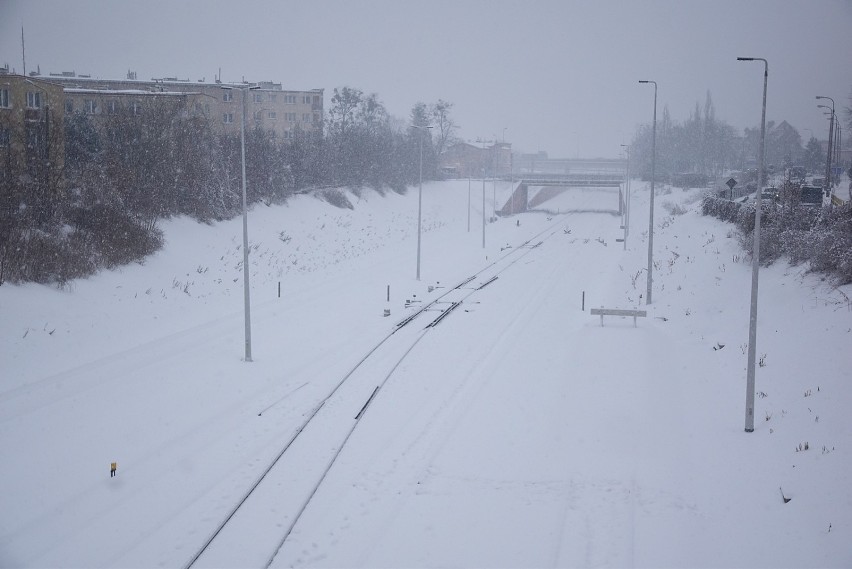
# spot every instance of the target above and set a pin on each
(770, 193)
(798, 173)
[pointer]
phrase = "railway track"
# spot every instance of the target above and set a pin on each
(296, 472)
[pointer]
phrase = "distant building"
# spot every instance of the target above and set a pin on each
(476, 159)
(268, 106)
(33, 110)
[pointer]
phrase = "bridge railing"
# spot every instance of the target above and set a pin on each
(536, 177)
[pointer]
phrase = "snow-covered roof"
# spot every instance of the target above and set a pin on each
(135, 92)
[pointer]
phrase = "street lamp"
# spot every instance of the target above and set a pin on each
(834, 146)
(247, 301)
(626, 218)
(468, 202)
(653, 179)
(512, 179)
(755, 262)
(830, 140)
(483, 207)
(420, 197)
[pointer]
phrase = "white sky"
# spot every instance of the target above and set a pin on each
(558, 75)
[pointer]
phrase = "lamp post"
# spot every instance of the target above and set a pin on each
(512, 180)
(468, 203)
(246, 296)
(627, 197)
(755, 262)
(830, 140)
(653, 180)
(422, 129)
(483, 207)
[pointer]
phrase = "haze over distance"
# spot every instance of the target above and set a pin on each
(556, 76)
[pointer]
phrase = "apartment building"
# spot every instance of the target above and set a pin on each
(33, 110)
(268, 105)
(31, 127)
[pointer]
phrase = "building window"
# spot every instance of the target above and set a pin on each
(306, 99)
(290, 99)
(91, 106)
(4, 98)
(257, 97)
(112, 107)
(33, 99)
(272, 97)
(136, 106)
(5, 137)
(258, 116)
(228, 96)
(316, 100)
(228, 118)
(306, 117)
(69, 106)
(272, 115)
(33, 139)
(291, 117)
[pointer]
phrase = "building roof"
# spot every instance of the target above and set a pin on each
(71, 77)
(135, 92)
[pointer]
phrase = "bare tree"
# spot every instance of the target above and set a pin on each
(444, 124)
(344, 103)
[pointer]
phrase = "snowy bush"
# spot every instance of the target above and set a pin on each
(337, 198)
(821, 236)
(674, 209)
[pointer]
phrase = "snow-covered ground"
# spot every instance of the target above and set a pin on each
(518, 432)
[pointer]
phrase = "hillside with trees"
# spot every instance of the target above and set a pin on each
(100, 208)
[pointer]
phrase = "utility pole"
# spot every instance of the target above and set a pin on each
(828, 185)
(755, 261)
(653, 180)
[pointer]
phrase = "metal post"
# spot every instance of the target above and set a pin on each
(755, 264)
(629, 191)
(420, 198)
(512, 181)
(626, 218)
(483, 208)
(653, 180)
(420, 207)
(246, 295)
(828, 186)
(468, 203)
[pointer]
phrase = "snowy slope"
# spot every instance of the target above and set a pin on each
(517, 432)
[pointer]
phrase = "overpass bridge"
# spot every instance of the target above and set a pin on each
(539, 164)
(552, 184)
